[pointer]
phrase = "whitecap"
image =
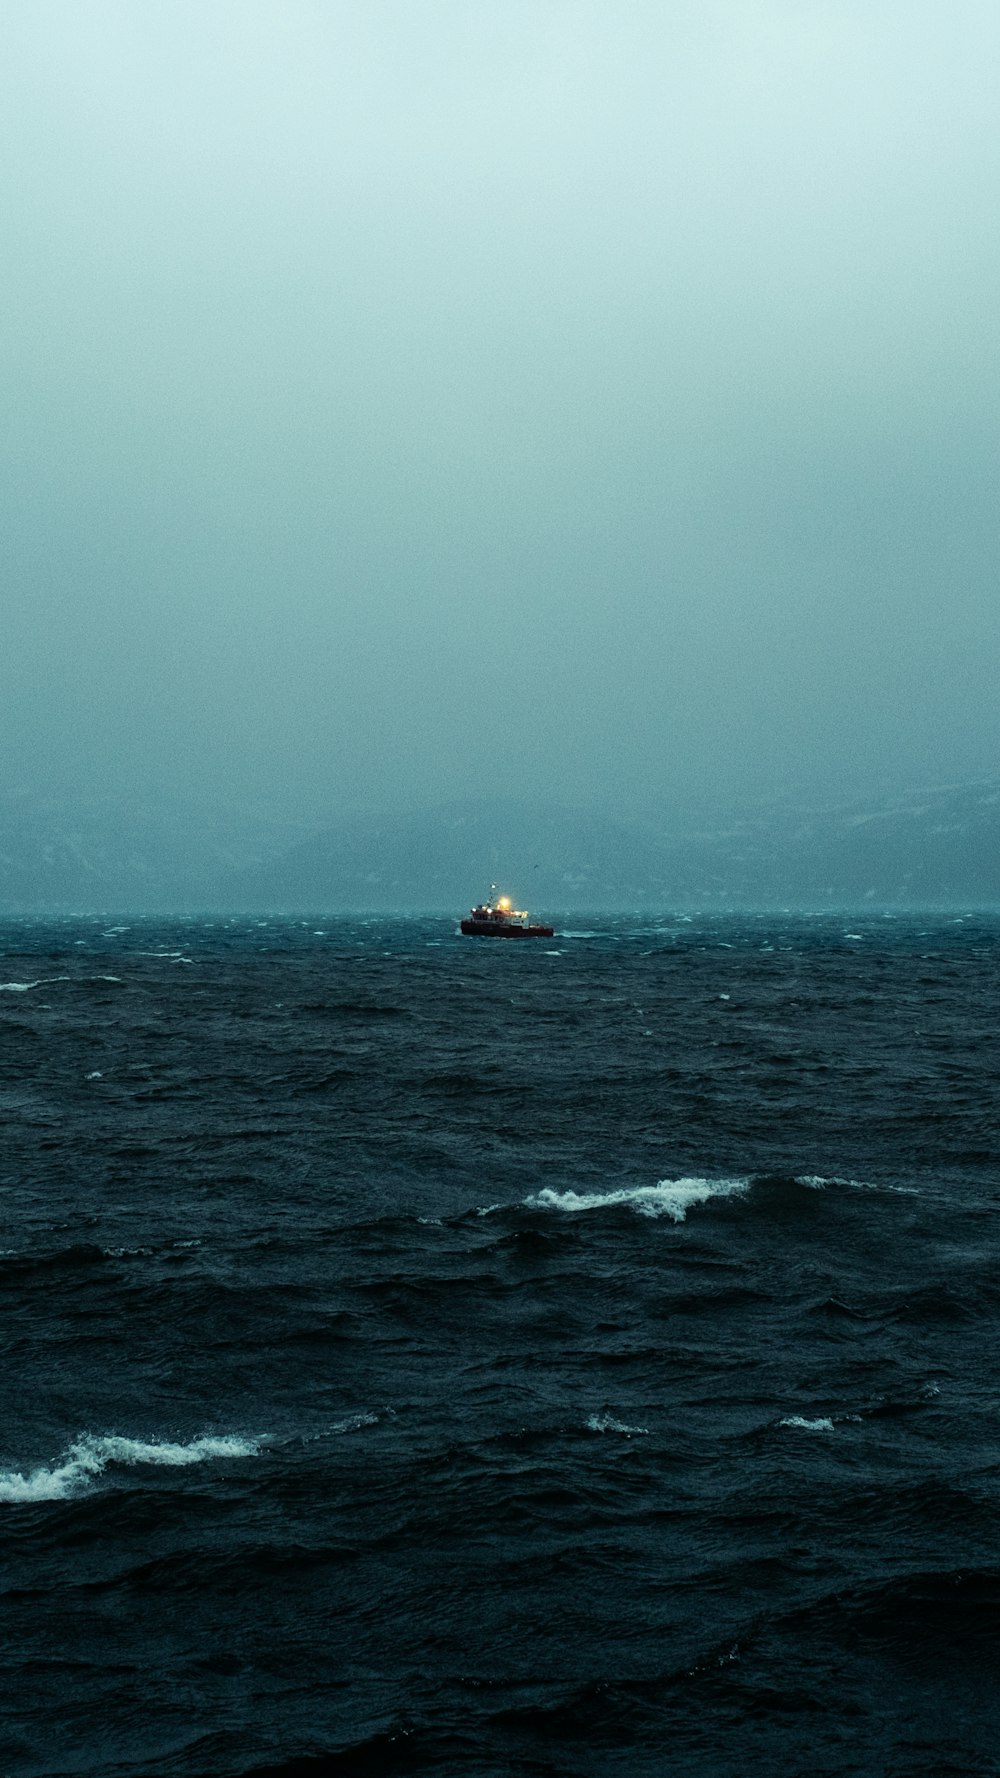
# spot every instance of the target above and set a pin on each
(670, 1197)
(89, 1457)
(822, 1425)
(817, 1182)
(46, 981)
(608, 1423)
(355, 1423)
(24, 987)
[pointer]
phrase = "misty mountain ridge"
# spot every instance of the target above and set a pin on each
(927, 847)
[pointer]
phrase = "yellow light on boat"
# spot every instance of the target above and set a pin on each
(504, 902)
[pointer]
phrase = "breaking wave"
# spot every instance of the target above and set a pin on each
(89, 1457)
(670, 1197)
(608, 1423)
(47, 981)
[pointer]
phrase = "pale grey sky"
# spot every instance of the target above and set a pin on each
(387, 381)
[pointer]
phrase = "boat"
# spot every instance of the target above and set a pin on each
(496, 918)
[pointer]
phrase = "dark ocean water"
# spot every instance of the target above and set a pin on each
(423, 1355)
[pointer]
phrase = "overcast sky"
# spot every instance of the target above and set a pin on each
(604, 389)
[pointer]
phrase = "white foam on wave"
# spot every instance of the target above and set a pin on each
(46, 981)
(802, 1425)
(355, 1423)
(25, 987)
(670, 1197)
(817, 1182)
(608, 1423)
(89, 1457)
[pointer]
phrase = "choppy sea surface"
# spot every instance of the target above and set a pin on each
(423, 1355)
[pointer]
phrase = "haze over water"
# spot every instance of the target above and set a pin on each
(613, 387)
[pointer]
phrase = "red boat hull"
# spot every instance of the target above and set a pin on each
(494, 929)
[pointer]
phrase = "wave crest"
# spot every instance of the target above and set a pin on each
(90, 1456)
(669, 1197)
(608, 1423)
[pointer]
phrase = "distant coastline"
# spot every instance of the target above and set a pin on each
(923, 848)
